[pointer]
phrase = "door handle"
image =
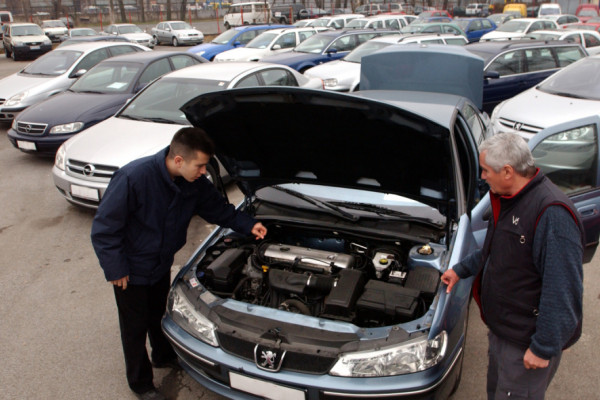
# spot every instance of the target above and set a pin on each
(588, 211)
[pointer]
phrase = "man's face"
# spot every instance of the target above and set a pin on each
(194, 168)
(496, 180)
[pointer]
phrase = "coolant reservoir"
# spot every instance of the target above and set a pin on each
(429, 255)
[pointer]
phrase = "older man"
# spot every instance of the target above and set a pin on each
(529, 281)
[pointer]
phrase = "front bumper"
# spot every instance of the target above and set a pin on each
(32, 51)
(78, 191)
(234, 377)
(43, 145)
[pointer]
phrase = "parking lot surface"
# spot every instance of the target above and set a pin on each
(59, 334)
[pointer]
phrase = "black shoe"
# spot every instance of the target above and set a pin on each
(152, 394)
(173, 364)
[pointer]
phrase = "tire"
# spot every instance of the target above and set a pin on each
(14, 56)
(175, 42)
(156, 40)
(227, 26)
(7, 53)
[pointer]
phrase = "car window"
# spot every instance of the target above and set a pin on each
(548, 25)
(539, 59)
(344, 43)
(92, 59)
(287, 40)
(476, 25)
(432, 29)
(451, 29)
(181, 61)
(574, 37)
(568, 55)
(590, 40)
(278, 77)
(471, 116)
(305, 35)
(107, 78)
(433, 41)
(154, 70)
(551, 156)
(536, 26)
(456, 41)
(245, 37)
(509, 63)
(249, 81)
(337, 23)
(392, 24)
(485, 24)
(160, 26)
(125, 49)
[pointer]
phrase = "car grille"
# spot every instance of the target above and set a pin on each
(30, 128)
(2, 101)
(519, 126)
(33, 43)
(293, 361)
(81, 168)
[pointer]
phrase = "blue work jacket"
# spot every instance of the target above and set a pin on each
(143, 218)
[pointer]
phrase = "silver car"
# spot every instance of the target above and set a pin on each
(132, 32)
(85, 163)
(54, 73)
(176, 33)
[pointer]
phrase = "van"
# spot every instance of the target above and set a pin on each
(5, 17)
(516, 7)
(251, 13)
(549, 9)
(477, 10)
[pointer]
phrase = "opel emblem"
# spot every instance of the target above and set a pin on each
(88, 170)
(267, 358)
(27, 128)
(518, 126)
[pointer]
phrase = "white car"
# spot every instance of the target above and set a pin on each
(176, 33)
(274, 41)
(588, 39)
(344, 75)
(55, 29)
(53, 73)
(571, 93)
(131, 32)
(85, 163)
(519, 28)
(381, 22)
(335, 21)
(304, 22)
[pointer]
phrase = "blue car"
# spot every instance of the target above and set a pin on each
(475, 28)
(513, 66)
(342, 299)
(324, 47)
(97, 95)
(230, 39)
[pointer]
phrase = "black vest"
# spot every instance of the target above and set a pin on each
(511, 284)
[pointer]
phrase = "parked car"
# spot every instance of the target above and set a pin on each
(230, 39)
(249, 319)
(564, 20)
(518, 28)
(590, 40)
(548, 9)
(572, 93)
(68, 21)
(514, 66)
(501, 18)
(517, 8)
(586, 11)
(592, 26)
(335, 21)
(247, 13)
(381, 21)
(324, 47)
(432, 14)
(55, 29)
(147, 123)
(286, 13)
(79, 32)
(344, 75)
(87, 39)
(477, 10)
(274, 41)
(176, 33)
(312, 13)
(434, 27)
(132, 32)
(94, 97)
(24, 40)
(54, 73)
(475, 28)
(304, 22)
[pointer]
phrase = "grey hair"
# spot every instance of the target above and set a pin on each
(508, 149)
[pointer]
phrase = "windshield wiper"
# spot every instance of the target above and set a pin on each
(90, 91)
(159, 119)
(571, 95)
(335, 210)
(386, 211)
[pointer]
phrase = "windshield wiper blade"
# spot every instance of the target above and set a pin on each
(386, 211)
(566, 94)
(159, 119)
(319, 203)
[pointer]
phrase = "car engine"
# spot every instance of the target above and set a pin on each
(329, 275)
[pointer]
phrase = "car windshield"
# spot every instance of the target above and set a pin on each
(568, 82)
(129, 29)
(514, 25)
(550, 11)
(314, 44)
(588, 12)
(357, 23)
(544, 35)
(413, 28)
(225, 37)
(160, 102)
(107, 78)
(29, 30)
(53, 24)
(83, 32)
(179, 26)
(262, 41)
(321, 22)
(54, 63)
(363, 50)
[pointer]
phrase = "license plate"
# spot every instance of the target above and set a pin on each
(84, 192)
(264, 389)
(26, 145)
(34, 47)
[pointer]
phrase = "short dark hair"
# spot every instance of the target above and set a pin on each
(188, 140)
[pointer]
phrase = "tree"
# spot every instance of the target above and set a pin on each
(168, 10)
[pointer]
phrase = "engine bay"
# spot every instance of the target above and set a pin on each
(365, 281)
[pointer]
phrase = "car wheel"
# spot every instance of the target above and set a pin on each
(14, 56)
(227, 26)
(7, 52)
(175, 42)
(155, 40)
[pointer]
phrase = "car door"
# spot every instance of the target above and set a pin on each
(160, 32)
(510, 66)
(592, 42)
(568, 154)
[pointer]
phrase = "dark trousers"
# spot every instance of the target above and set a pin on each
(507, 376)
(141, 308)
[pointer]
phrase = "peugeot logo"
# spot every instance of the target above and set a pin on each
(88, 170)
(267, 358)
(518, 126)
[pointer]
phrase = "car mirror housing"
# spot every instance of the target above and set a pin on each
(78, 73)
(236, 44)
(491, 75)
(276, 47)
(331, 51)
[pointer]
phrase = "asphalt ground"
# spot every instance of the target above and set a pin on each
(59, 334)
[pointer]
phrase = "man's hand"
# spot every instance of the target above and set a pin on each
(259, 231)
(531, 361)
(449, 278)
(122, 283)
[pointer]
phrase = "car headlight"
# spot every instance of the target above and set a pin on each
(60, 158)
(66, 128)
(332, 82)
(187, 316)
(581, 134)
(47, 41)
(413, 356)
(17, 43)
(16, 99)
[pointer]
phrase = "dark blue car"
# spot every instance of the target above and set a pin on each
(514, 66)
(230, 39)
(475, 28)
(97, 95)
(324, 47)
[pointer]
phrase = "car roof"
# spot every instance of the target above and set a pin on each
(255, 27)
(493, 48)
(225, 71)
(85, 46)
(147, 57)
(22, 24)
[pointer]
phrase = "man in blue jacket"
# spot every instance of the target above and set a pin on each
(141, 223)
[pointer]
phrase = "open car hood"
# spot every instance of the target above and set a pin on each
(275, 135)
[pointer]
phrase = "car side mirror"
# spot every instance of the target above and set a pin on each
(236, 44)
(168, 29)
(491, 75)
(78, 73)
(331, 51)
(276, 47)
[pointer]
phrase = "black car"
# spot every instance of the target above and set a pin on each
(287, 13)
(97, 95)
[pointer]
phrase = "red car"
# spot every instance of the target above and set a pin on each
(592, 26)
(434, 13)
(586, 11)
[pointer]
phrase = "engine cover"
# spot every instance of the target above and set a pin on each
(309, 258)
